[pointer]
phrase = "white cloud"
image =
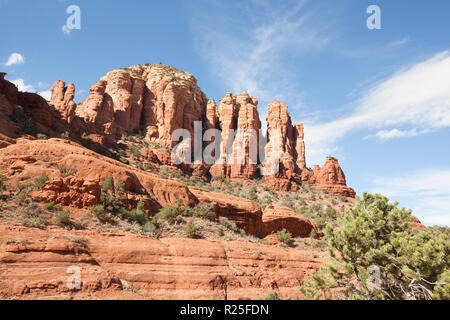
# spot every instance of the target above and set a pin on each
(15, 58)
(22, 86)
(418, 97)
(45, 94)
(246, 44)
(396, 133)
(427, 192)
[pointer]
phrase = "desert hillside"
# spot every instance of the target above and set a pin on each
(95, 185)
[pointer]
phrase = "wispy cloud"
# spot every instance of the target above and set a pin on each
(245, 43)
(24, 87)
(396, 133)
(427, 191)
(418, 97)
(15, 58)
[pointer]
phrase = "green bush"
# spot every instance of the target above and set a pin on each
(33, 223)
(273, 296)
(98, 211)
(65, 135)
(40, 181)
(41, 136)
(191, 230)
(2, 180)
(284, 236)
(313, 234)
(68, 172)
(62, 218)
(169, 214)
(376, 238)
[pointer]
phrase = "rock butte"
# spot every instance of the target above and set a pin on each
(153, 100)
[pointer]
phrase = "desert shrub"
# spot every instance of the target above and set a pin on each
(313, 234)
(252, 194)
(191, 230)
(98, 211)
(68, 172)
(138, 214)
(376, 254)
(50, 206)
(273, 296)
(284, 236)
(41, 136)
(23, 189)
(32, 209)
(18, 115)
(40, 181)
(169, 214)
(330, 213)
(65, 135)
(2, 180)
(220, 231)
(62, 218)
(33, 223)
(202, 210)
(231, 226)
(135, 151)
(76, 239)
(150, 228)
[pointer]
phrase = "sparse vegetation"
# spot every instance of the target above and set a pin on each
(40, 181)
(376, 254)
(273, 296)
(284, 236)
(191, 230)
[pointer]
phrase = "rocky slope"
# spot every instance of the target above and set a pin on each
(57, 154)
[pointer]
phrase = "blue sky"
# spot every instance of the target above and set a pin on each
(379, 100)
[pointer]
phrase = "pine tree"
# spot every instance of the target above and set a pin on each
(378, 255)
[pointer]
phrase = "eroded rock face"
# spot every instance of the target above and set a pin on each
(153, 99)
(281, 142)
(245, 213)
(62, 99)
(240, 125)
(168, 268)
(332, 178)
(278, 217)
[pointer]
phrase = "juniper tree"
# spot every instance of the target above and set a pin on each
(376, 254)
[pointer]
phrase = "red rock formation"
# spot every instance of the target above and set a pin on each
(331, 177)
(300, 153)
(126, 266)
(239, 121)
(280, 149)
(278, 217)
(245, 213)
(154, 99)
(62, 99)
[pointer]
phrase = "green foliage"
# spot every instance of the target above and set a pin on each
(284, 236)
(169, 214)
(41, 136)
(108, 184)
(51, 206)
(65, 135)
(98, 211)
(313, 234)
(40, 181)
(135, 151)
(2, 180)
(273, 296)
(62, 218)
(33, 223)
(191, 231)
(376, 254)
(231, 226)
(68, 172)
(138, 214)
(202, 210)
